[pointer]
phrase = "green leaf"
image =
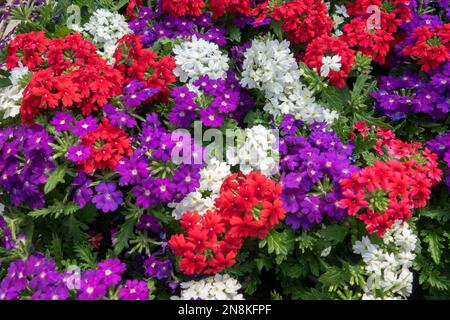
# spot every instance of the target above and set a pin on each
(234, 33)
(276, 27)
(263, 262)
(440, 215)
(434, 245)
(5, 82)
(85, 254)
(126, 231)
(251, 283)
(40, 213)
(334, 276)
(54, 179)
(334, 233)
(438, 281)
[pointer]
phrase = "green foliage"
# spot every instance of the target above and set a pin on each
(84, 254)
(126, 231)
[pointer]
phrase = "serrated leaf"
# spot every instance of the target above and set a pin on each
(251, 283)
(54, 179)
(434, 246)
(85, 254)
(40, 213)
(126, 231)
(438, 281)
(332, 277)
(263, 263)
(435, 214)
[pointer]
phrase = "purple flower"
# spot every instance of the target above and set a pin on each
(148, 223)
(83, 193)
(78, 153)
(158, 269)
(108, 198)
(134, 290)
(119, 117)
(84, 126)
(62, 121)
(145, 196)
(164, 189)
(133, 170)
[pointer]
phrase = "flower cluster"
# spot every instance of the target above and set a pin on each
(202, 200)
(257, 150)
(389, 190)
(35, 277)
(441, 146)
(431, 46)
(388, 265)
(311, 166)
(325, 48)
(303, 21)
(106, 28)
(10, 96)
(196, 58)
(151, 169)
(248, 206)
(218, 287)
(183, 7)
(67, 72)
(137, 63)
(211, 99)
(408, 93)
(25, 163)
(173, 28)
(101, 148)
(271, 67)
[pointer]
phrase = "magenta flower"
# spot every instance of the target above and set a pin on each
(134, 290)
(111, 270)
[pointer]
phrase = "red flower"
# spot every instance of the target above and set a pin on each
(303, 20)
(328, 46)
(67, 73)
(178, 8)
(431, 46)
(218, 7)
(374, 43)
(248, 206)
(389, 190)
(28, 48)
(135, 62)
(108, 144)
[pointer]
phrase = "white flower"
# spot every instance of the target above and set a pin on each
(106, 28)
(330, 63)
(218, 287)
(11, 97)
(326, 252)
(270, 66)
(212, 176)
(258, 152)
(388, 266)
(193, 202)
(198, 57)
(341, 10)
(211, 179)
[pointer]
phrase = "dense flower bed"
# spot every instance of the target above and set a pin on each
(224, 149)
